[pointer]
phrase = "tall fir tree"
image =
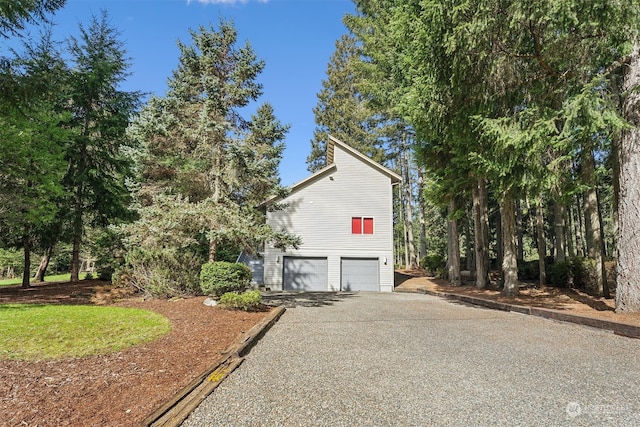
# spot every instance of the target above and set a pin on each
(98, 166)
(34, 135)
(344, 111)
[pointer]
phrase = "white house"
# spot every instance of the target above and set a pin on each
(344, 216)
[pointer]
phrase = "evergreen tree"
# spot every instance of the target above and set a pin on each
(15, 14)
(204, 166)
(343, 111)
(486, 85)
(97, 164)
(31, 154)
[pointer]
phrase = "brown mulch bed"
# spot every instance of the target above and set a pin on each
(569, 300)
(122, 388)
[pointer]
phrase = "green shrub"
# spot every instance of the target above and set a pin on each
(108, 248)
(248, 301)
(561, 274)
(433, 264)
(584, 271)
(576, 272)
(220, 277)
(528, 270)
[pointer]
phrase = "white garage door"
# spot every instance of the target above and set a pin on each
(305, 274)
(360, 274)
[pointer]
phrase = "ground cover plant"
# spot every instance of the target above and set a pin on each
(42, 332)
(247, 301)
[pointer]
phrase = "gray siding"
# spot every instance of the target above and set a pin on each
(320, 212)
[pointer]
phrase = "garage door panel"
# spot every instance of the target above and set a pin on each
(360, 274)
(305, 274)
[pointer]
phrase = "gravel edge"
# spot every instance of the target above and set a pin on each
(173, 412)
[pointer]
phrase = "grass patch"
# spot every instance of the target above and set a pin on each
(41, 332)
(55, 278)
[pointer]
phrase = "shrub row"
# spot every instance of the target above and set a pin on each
(575, 273)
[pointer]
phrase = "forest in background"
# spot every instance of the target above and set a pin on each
(513, 124)
(514, 127)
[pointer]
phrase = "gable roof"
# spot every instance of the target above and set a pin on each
(331, 166)
(395, 178)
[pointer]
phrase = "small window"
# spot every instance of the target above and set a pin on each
(360, 225)
(367, 225)
(356, 225)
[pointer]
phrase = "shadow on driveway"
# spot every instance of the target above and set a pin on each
(304, 299)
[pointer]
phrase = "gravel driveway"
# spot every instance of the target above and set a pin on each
(414, 360)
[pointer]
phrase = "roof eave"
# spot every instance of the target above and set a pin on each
(395, 178)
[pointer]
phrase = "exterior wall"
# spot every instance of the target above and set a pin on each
(320, 211)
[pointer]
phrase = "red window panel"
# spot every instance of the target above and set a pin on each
(356, 225)
(367, 225)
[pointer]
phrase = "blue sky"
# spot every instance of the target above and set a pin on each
(295, 38)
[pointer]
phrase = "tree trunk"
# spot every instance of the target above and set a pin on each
(509, 262)
(468, 248)
(216, 195)
(519, 231)
(628, 280)
(453, 247)
(213, 249)
(542, 244)
(26, 273)
(481, 232)
(77, 238)
(77, 229)
(413, 263)
(581, 244)
(405, 243)
(593, 226)
(558, 226)
(75, 258)
(421, 215)
(615, 154)
(44, 264)
(499, 246)
(605, 251)
(569, 231)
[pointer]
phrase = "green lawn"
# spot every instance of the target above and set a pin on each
(56, 278)
(41, 332)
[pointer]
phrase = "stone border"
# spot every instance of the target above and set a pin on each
(174, 411)
(617, 328)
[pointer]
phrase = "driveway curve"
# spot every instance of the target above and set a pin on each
(396, 359)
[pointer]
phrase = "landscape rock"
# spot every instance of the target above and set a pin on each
(210, 302)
